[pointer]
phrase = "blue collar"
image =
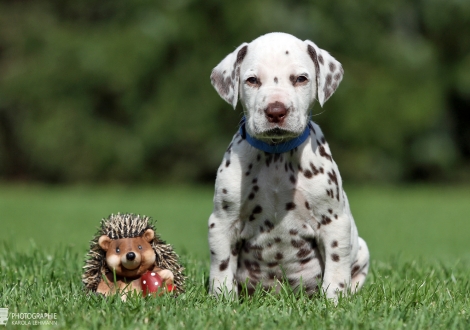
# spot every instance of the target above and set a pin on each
(274, 148)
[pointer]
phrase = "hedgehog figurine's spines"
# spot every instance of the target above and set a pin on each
(129, 225)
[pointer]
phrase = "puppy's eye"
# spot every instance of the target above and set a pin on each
(117, 250)
(252, 81)
(140, 247)
(301, 79)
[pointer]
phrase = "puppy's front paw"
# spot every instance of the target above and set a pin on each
(222, 290)
(333, 292)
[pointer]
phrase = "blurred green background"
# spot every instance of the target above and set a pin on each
(107, 106)
(119, 91)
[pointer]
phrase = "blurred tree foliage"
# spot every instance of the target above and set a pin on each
(116, 90)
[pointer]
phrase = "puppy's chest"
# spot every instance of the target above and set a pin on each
(274, 192)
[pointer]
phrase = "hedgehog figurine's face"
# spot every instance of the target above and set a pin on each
(129, 257)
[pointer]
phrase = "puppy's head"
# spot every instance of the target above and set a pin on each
(277, 78)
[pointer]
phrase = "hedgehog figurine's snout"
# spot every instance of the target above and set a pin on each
(131, 260)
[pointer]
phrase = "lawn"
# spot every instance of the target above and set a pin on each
(418, 237)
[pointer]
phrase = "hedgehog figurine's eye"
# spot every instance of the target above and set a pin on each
(140, 247)
(117, 250)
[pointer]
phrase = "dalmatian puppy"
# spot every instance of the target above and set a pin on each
(280, 213)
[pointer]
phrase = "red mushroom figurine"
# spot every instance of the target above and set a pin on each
(151, 282)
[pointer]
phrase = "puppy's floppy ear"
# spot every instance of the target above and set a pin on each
(328, 70)
(225, 76)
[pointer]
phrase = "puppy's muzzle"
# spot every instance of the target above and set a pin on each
(276, 113)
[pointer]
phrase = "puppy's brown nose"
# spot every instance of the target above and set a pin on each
(276, 112)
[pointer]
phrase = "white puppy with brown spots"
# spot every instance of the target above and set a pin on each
(280, 212)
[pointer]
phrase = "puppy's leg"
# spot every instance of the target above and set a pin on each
(222, 243)
(360, 268)
(336, 245)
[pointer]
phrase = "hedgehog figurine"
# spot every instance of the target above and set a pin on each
(126, 254)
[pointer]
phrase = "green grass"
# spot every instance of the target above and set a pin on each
(418, 237)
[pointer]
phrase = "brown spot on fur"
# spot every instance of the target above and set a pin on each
(269, 160)
(293, 232)
(304, 261)
(297, 243)
(316, 59)
(355, 269)
(334, 244)
(292, 179)
(325, 220)
(333, 177)
(335, 257)
(292, 79)
(241, 54)
(253, 266)
(314, 169)
(257, 254)
(279, 256)
(212, 225)
(236, 248)
(308, 174)
(328, 79)
(323, 153)
(307, 205)
(224, 264)
(269, 224)
(303, 253)
(290, 206)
